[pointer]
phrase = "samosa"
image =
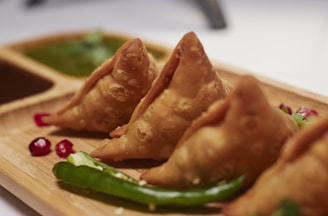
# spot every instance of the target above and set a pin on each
(111, 93)
(241, 135)
(299, 178)
(186, 86)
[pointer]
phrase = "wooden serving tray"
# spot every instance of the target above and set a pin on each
(31, 178)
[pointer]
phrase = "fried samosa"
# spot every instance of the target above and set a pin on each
(300, 176)
(111, 93)
(186, 86)
(241, 135)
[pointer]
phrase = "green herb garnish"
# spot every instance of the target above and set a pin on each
(91, 48)
(287, 208)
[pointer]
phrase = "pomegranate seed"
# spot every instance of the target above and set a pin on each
(306, 112)
(64, 148)
(38, 119)
(286, 109)
(40, 146)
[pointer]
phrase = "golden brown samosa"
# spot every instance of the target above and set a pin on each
(241, 135)
(109, 96)
(186, 86)
(299, 176)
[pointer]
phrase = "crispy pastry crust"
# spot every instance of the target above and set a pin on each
(109, 96)
(300, 175)
(241, 135)
(185, 88)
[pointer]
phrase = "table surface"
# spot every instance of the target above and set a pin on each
(285, 40)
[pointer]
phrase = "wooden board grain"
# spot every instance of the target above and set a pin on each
(31, 178)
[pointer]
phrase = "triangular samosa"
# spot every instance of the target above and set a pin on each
(241, 135)
(299, 179)
(109, 96)
(186, 86)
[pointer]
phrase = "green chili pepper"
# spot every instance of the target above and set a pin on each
(97, 180)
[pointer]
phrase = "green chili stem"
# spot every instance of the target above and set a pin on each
(82, 158)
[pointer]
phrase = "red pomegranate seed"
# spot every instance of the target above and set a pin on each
(305, 112)
(286, 109)
(38, 119)
(40, 146)
(64, 148)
